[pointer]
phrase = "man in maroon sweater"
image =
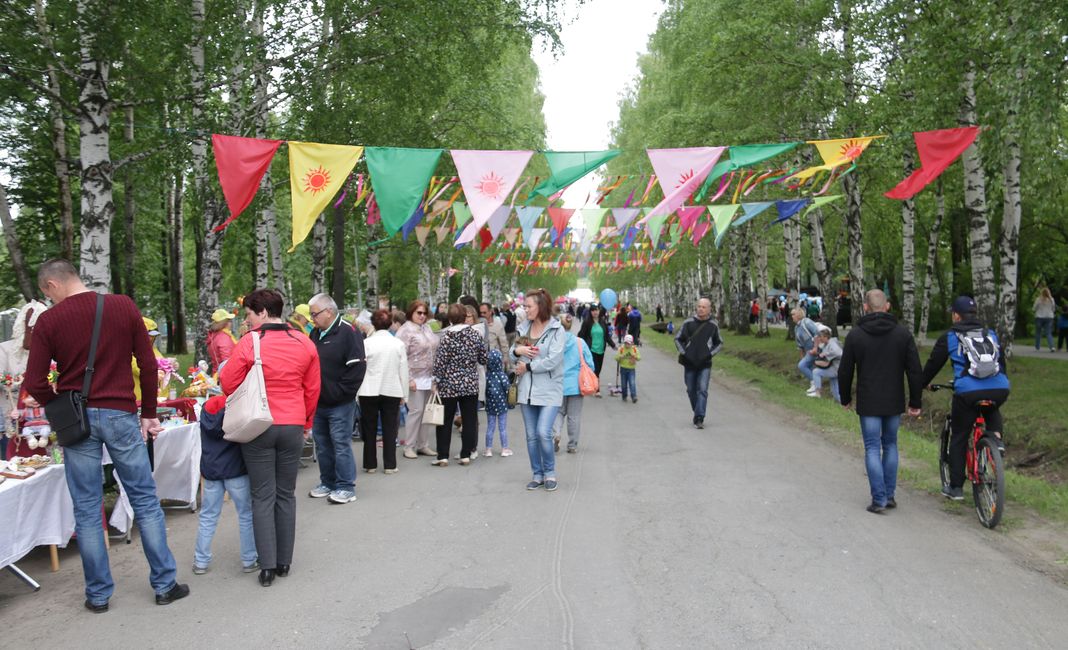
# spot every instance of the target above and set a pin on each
(63, 333)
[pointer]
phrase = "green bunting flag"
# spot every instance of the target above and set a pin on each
(463, 214)
(399, 177)
(820, 201)
(721, 218)
(566, 167)
(654, 225)
(593, 217)
(743, 156)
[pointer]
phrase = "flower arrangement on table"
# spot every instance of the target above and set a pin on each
(168, 370)
(200, 382)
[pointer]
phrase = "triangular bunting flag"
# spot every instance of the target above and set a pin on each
(510, 235)
(412, 222)
(688, 216)
(560, 217)
(535, 238)
(750, 210)
(528, 216)
(680, 172)
(592, 218)
(421, 233)
(674, 234)
(442, 233)
(699, 231)
(836, 153)
(624, 216)
(488, 178)
(606, 231)
(653, 225)
(819, 201)
(743, 155)
(241, 163)
(462, 214)
(399, 178)
(632, 233)
(721, 218)
(316, 173)
(788, 209)
(938, 150)
(566, 167)
(499, 218)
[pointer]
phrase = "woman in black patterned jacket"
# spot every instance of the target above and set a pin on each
(461, 351)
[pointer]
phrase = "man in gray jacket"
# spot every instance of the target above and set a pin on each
(698, 341)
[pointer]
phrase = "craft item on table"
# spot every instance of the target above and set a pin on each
(200, 382)
(168, 370)
(15, 469)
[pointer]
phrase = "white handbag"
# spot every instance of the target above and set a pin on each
(247, 412)
(434, 411)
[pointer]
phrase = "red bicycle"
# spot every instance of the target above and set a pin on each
(983, 465)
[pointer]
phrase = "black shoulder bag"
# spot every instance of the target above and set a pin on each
(67, 411)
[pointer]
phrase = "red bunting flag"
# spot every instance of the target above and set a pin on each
(560, 217)
(241, 163)
(938, 150)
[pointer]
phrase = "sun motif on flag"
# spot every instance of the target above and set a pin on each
(492, 185)
(316, 180)
(852, 149)
(685, 176)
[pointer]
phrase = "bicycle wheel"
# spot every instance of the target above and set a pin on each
(988, 486)
(943, 456)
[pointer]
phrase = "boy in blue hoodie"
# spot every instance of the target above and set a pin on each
(224, 471)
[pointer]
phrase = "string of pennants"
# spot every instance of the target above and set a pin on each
(401, 191)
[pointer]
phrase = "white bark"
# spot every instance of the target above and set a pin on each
(762, 280)
(908, 254)
(1010, 224)
(975, 207)
(423, 288)
(932, 257)
(318, 257)
(14, 249)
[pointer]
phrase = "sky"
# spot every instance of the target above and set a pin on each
(582, 84)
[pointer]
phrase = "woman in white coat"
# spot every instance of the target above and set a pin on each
(384, 389)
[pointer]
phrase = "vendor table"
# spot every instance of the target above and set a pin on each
(36, 511)
(177, 472)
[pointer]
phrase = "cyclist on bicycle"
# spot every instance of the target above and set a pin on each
(978, 376)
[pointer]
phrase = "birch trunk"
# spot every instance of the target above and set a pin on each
(261, 113)
(821, 266)
(26, 286)
(850, 185)
(932, 258)
(423, 288)
(465, 279)
(318, 256)
(975, 208)
(176, 342)
(908, 253)
(94, 125)
(741, 269)
(791, 244)
(372, 278)
(443, 277)
(129, 213)
(337, 288)
(762, 282)
(1010, 224)
(59, 139)
(209, 268)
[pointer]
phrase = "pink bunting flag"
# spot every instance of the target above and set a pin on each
(487, 178)
(681, 172)
(688, 217)
(700, 230)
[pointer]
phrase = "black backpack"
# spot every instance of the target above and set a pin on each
(509, 322)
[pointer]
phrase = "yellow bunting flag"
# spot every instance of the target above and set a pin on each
(836, 153)
(316, 173)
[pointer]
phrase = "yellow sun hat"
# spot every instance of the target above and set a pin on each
(150, 325)
(220, 315)
(304, 310)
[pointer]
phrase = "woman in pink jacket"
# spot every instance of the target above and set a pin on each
(422, 345)
(291, 375)
(221, 341)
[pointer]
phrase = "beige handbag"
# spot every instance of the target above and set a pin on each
(434, 411)
(247, 412)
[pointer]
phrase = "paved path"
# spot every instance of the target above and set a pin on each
(750, 533)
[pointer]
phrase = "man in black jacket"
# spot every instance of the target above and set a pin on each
(883, 354)
(698, 341)
(342, 365)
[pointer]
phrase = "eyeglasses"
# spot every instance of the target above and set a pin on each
(315, 314)
(420, 313)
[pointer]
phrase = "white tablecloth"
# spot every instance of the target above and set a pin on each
(177, 473)
(34, 512)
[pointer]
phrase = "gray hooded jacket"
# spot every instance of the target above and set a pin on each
(543, 385)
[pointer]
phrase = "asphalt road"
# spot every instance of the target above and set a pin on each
(749, 533)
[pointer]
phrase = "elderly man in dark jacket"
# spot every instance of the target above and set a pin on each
(698, 341)
(224, 472)
(883, 355)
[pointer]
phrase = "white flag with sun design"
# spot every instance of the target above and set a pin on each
(487, 177)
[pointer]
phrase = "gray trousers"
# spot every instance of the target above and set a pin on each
(272, 460)
(571, 412)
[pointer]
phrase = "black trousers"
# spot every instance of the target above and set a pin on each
(598, 363)
(964, 411)
(370, 407)
(1062, 338)
(273, 459)
(468, 407)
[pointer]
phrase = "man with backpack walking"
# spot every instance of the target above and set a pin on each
(698, 341)
(978, 375)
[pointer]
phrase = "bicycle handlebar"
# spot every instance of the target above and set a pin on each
(937, 387)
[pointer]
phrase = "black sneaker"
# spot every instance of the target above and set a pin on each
(890, 503)
(954, 493)
(550, 484)
(177, 592)
(699, 423)
(876, 509)
(534, 485)
(96, 609)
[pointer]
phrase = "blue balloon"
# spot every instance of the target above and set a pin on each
(609, 298)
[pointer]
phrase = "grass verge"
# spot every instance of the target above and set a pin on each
(1034, 429)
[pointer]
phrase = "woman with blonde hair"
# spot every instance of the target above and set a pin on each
(1045, 310)
(221, 341)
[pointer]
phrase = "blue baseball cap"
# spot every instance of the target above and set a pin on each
(964, 305)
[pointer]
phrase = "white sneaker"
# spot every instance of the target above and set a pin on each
(812, 390)
(488, 453)
(506, 452)
(815, 394)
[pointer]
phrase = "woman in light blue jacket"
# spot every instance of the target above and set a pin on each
(572, 407)
(538, 354)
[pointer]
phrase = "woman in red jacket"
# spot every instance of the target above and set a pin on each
(291, 375)
(221, 341)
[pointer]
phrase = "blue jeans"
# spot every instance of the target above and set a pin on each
(332, 431)
(819, 374)
(121, 432)
(880, 455)
(697, 389)
(626, 379)
(806, 364)
(211, 506)
(497, 422)
(539, 425)
(1043, 327)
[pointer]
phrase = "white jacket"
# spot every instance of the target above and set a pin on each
(387, 366)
